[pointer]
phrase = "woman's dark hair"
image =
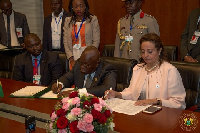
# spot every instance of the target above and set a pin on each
(86, 13)
(155, 39)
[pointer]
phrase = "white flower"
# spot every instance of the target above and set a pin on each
(71, 117)
(112, 125)
(70, 101)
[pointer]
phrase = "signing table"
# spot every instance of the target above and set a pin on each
(166, 120)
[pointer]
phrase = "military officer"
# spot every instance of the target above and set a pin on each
(131, 28)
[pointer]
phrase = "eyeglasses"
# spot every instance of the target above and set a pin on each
(6, 10)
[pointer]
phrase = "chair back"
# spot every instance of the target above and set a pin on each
(108, 50)
(190, 73)
(124, 70)
(172, 52)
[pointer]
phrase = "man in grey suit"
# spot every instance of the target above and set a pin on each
(53, 27)
(37, 65)
(16, 22)
(190, 42)
(89, 72)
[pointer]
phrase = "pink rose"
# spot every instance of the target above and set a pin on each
(76, 111)
(64, 100)
(53, 116)
(51, 126)
(66, 106)
(98, 107)
(81, 125)
(76, 101)
(89, 128)
(61, 131)
(88, 118)
(102, 102)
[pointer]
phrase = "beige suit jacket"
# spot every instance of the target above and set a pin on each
(92, 34)
(171, 90)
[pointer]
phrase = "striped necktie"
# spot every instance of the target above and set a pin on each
(88, 81)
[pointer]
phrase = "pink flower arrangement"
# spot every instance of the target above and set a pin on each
(81, 113)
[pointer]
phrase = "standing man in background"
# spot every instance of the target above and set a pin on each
(53, 27)
(131, 28)
(13, 26)
(190, 42)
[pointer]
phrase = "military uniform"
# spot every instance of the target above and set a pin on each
(141, 24)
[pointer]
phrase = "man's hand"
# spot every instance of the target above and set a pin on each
(72, 61)
(189, 59)
(64, 94)
(56, 89)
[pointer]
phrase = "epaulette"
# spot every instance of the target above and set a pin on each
(149, 15)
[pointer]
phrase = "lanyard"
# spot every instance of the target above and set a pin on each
(76, 34)
(57, 22)
(131, 27)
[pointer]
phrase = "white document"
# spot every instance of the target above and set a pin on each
(125, 106)
(2, 46)
(28, 91)
(50, 94)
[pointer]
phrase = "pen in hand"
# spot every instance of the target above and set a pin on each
(107, 93)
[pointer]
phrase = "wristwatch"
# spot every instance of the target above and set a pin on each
(159, 101)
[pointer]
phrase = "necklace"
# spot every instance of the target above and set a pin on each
(151, 69)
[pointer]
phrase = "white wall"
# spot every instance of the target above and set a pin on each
(33, 9)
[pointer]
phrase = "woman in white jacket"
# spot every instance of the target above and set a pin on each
(154, 80)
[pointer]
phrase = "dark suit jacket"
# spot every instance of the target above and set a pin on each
(104, 78)
(50, 68)
(20, 22)
(191, 27)
(47, 34)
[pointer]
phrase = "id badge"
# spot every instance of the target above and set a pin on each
(19, 32)
(194, 39)
(77, 46)
(197, 33)
(129, 38)
(36, 79)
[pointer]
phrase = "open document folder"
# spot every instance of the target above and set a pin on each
(36, 92)
(50, 94)
(125, 106)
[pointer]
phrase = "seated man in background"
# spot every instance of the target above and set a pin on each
(89, 72)
(37, 65)
(190, 43)
(14, 26)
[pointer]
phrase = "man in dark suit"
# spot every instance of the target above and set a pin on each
(14, 21)
(53, 27)
(102, 75)
(36, 65)
(190, 42)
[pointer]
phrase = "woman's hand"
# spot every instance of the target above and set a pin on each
(145, 102)
(112, 94)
